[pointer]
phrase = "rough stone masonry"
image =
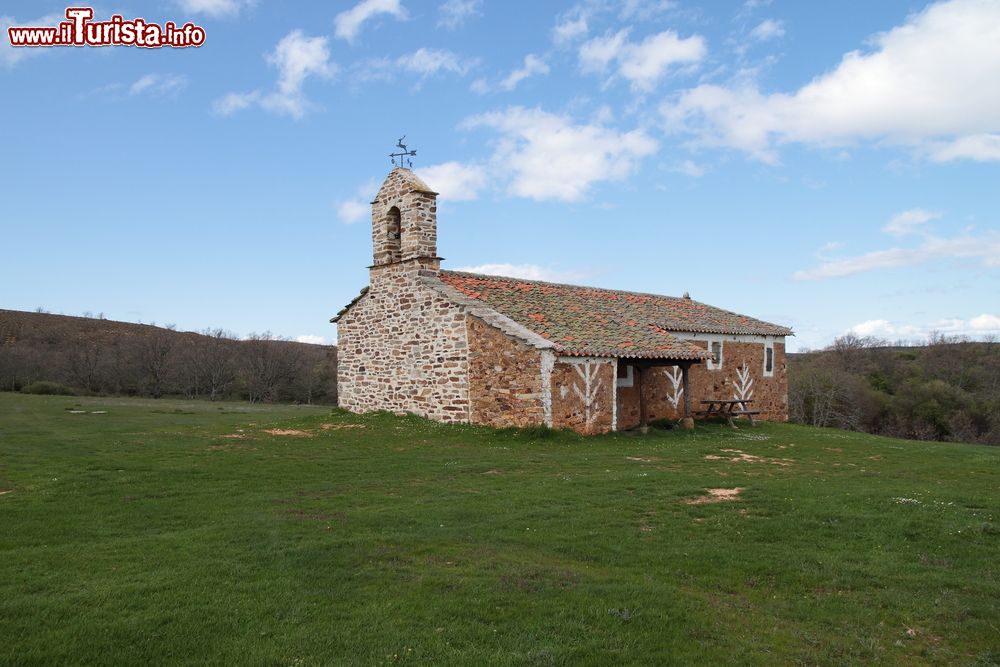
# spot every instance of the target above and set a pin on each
(498, 351)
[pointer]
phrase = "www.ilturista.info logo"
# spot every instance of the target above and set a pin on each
(80, 30)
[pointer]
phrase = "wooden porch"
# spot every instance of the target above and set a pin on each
(641, 380)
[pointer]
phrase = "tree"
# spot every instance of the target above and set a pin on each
(217, 360)
(267, 364)
(152, 353)
(83, 361)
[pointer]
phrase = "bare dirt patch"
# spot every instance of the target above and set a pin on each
(3, 493)
(288, 432)
(651, 459)
(234, 436)
(739, 456)
(492, 471)
(716, 496)
(337, 427)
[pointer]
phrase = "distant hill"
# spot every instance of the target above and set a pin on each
(41, 352)
(946, 390)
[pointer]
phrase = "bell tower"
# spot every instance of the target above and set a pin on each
(404, 223)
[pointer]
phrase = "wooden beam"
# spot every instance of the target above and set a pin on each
(687, 391)
(643, 416)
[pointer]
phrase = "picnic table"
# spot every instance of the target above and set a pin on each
(728, 409)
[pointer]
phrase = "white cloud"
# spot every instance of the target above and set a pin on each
(928, 81)
(479, 87)
(643, 63)
(985, 249)
(689, 168)
(882, 329)
(978, 147)
(643, 10)
(569, 28)
(356, 209)
(10, 56)
(532, 65)
(296, 57)
(454, 181)
(233, 102)
(526, 271)
(424, 62)
(597, 53)
(347, 24)
(453, 13)
(427, 62)
(767, 29)
(157, 84)
(311, 339)
(215, 8)
(975, 327)
(909, 221)
(352, 211)
(985, 322)
(547, 156)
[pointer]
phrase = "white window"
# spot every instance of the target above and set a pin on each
(624, 374)
(768, 360)
(715, 363)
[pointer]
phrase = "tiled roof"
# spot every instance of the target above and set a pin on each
(587, 321)
(335, 318)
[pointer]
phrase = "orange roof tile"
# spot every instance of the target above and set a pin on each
(588, 321)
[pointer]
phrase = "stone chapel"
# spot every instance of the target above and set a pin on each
(498, 351)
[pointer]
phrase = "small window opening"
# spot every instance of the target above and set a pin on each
(624, 375)
(716, 350)
(768, 360)
(392, 232)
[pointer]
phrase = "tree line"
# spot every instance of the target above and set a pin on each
(946, 390)
(45, 353)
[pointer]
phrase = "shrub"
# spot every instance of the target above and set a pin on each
(50, 388)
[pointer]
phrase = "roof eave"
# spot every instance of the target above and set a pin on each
(343, 311)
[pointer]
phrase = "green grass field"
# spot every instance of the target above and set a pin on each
(137, 532)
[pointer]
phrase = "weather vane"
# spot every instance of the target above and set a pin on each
(404, 157)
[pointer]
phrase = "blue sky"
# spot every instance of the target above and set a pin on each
(829, 166)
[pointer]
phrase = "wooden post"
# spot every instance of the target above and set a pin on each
(688, 421)
(687, 393)
(643, 417)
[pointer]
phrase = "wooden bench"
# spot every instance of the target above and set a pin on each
(747, 413)
(728, 409)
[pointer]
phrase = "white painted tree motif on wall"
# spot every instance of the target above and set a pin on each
(743, 387)
(589, 373)
(675, 376)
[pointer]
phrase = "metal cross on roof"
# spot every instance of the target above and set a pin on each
(404, 157)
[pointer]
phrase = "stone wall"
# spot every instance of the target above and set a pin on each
(769, 394)
(505, 378)
(402, 347)
(583, 394)
(404, 219)
(410, 346)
